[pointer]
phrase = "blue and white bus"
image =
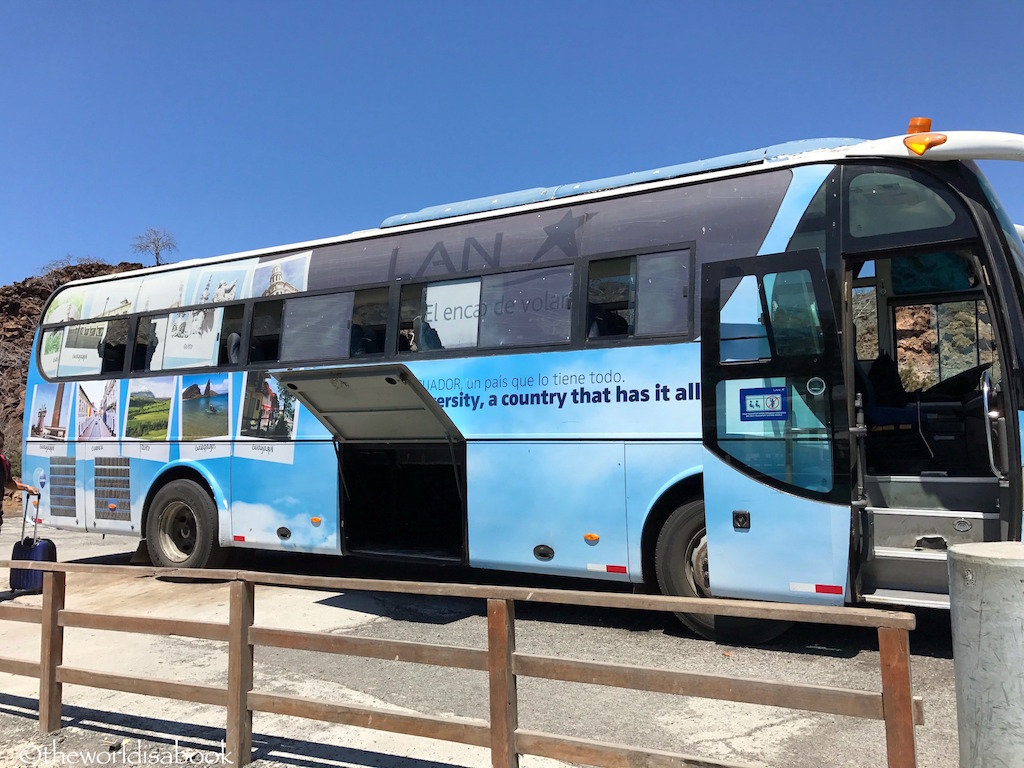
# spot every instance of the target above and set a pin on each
(791, 374)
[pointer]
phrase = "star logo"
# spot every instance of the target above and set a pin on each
(562, 235)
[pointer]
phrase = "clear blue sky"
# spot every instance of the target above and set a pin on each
(241, 125)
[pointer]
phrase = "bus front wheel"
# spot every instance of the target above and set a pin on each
(181, 530)
(681, 564)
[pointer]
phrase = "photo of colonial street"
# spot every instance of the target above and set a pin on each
(97, 408)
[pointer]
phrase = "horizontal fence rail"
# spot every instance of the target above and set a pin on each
(895, 704)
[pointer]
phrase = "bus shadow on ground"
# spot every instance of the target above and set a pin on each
(117, 558)
(121, 732)
(448, 610)
(932, 637)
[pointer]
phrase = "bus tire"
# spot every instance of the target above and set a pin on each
(181, 528)
(681, 565)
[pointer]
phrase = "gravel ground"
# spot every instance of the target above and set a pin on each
(126, 729)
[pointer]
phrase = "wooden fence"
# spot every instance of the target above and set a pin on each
(894, 704)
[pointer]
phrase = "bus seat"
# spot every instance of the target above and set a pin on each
(601, 322)
(364, 341)
(896, 443)
(885, 399)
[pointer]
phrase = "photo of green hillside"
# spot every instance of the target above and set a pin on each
(148, 415)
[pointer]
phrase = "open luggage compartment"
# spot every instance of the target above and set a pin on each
(404, 500)
(402, 461)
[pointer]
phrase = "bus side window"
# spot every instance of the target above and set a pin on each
(265, 336)
(525, 308)
(230, 352)
(49, 352)
(643, 295)
(663, 292)
(147, 354)
(317, 327)
(611, 298)
(744, 337)
(369, 322)
(793, 314)
(443, 315)
(411, 309)
(81, 350)
(113, 345)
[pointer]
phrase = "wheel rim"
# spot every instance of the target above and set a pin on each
(696, 564)
(177, 531)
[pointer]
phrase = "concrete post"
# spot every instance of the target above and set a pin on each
(986, 593)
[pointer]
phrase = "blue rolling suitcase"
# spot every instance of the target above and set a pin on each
(31, 548)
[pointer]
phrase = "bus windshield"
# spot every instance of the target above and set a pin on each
(1006, 224)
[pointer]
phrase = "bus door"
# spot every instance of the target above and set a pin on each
(934, 448)
(777, 503)
(401, 461)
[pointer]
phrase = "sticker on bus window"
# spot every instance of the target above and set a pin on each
(764, 404)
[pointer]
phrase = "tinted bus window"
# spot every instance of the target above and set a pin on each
(611, 298)
(663, 293)
(265, 337)
(113, 345)
(369, 322)
(524, 308)
(890, 207)
(230, 352)
(317, 327)
(150, 341)
(643, 295)
(79, 355)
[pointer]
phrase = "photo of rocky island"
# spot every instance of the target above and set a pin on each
(205, 406)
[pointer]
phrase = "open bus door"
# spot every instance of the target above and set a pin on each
(401, 461)
(776, 479)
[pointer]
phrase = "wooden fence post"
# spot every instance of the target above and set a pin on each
(238, 736)
(897, 697)
(51, 650)
(501, 644)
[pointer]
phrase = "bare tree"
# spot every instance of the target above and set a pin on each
(156, 242)
(52, 274)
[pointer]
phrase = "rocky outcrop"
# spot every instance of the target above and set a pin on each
(21, 306)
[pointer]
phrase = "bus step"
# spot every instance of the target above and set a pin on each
(921, 556)
(906, 571)
(907, 598)
(929, 529)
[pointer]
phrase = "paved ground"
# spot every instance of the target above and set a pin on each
(133, 729)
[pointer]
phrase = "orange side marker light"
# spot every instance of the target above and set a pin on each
(919, 143)
(919, 136)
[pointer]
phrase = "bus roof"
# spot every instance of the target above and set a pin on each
(956, 145)
(540, 194)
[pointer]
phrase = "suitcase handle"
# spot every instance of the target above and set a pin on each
(35, 518)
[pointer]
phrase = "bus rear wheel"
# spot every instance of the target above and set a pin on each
(181, 529)
(681, 565)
